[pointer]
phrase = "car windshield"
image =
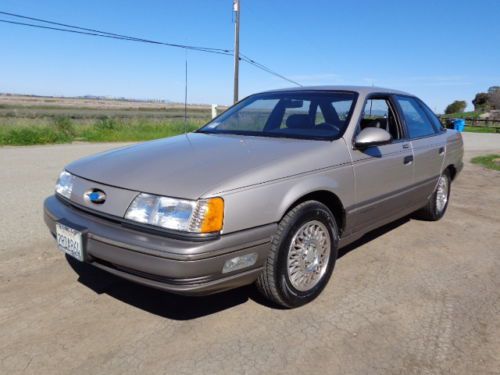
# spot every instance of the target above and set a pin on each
(311, 115)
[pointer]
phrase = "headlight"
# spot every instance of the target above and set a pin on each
(64, 184)
(203, 216)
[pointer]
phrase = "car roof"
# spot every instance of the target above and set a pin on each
(362, 90)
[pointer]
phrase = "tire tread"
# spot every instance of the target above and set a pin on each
(267, 282)
(429, 211)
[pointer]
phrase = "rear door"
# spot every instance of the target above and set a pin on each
(428, 144)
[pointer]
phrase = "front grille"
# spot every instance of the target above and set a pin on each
(89, 211)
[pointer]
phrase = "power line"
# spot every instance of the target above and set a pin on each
(109, 35)
(119, 36)
(266, 69)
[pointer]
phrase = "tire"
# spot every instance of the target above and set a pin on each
(292, 277)
(434, 209)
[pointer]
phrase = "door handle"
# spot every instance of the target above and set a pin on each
(441, 150)
(406, 145)
(408, 160)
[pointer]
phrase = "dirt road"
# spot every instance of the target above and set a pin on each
(411, 298)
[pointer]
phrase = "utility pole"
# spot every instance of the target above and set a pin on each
(236, 9)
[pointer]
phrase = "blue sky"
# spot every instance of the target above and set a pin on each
(439, 50)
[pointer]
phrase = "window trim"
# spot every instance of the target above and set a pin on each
(390, 99)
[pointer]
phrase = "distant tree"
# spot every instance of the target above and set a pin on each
(456, 107)
(493, 89)
(481, 101)
(494, 99)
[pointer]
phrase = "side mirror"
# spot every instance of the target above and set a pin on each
(372, 137)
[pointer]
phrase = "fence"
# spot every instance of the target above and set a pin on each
(477, 123)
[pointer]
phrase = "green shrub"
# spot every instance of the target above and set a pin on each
(106, 124)
(64, 126)
(21, 136)
(134, 131)
(107, 129)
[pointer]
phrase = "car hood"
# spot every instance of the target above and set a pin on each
(195, 165)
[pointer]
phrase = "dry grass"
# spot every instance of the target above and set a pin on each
(27, 120)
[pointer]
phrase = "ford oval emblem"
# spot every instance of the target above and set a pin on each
(96, 196)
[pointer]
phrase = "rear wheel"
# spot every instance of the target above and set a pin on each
(302, 257)
(438, 202)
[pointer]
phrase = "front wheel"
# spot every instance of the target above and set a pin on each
(302, 257)
(438, 202)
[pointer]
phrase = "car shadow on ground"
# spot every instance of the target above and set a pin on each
(374, 234)
(178, 307)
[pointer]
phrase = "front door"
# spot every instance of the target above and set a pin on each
(383, 174)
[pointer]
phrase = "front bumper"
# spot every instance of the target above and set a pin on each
(180, 266)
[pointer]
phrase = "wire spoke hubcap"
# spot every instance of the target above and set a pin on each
(308, 255)
(442, 193)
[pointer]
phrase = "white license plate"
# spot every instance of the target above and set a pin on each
(70, 241)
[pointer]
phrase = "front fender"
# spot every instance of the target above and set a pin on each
(267, 203)
(324, 182)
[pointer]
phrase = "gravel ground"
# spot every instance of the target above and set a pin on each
(411, 298)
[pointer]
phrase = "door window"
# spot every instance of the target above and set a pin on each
(432, 117)
(378, 113)
(417, 122)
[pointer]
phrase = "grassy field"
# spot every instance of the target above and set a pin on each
(475, 129)
(29, 121)
(488, 161)
(63, 130)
